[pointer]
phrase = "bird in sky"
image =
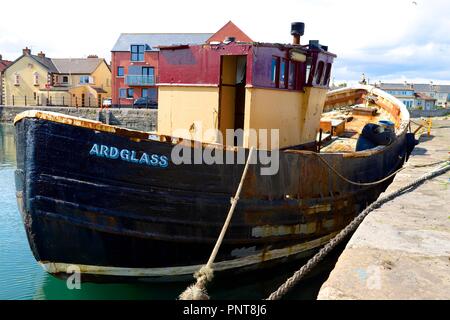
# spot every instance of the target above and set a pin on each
(414, 3)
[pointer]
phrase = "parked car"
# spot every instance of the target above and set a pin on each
(107, 103)
(145, 102)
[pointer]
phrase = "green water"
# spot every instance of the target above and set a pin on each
(22, 278)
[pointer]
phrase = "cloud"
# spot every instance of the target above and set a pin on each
(383, 38)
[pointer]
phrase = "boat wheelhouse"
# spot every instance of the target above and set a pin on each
(236, 85)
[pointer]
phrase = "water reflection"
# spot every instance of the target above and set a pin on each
(7, 145)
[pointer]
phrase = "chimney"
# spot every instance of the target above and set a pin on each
(297, 30)
(92, 56)
(229, 40)
(41, 55)
(26, 51)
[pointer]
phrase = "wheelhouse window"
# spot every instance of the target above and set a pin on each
(120, 71)
(292, 75)
(65, 79)
(319, 72)
(274, 73)
(137, 52)
(283, 76)
(326, 79)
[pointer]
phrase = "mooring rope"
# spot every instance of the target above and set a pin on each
(197, 291)
(354, 182)
(297, 276)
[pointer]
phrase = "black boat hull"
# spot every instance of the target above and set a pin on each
(128, 219)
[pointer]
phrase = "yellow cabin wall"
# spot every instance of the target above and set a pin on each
(295, 114)
(180, 106)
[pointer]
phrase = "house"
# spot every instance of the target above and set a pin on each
(402, 91)
(424, 102)
(3, 65)
(38, 80)
(135, 59)
(439, 92)
(418, 95)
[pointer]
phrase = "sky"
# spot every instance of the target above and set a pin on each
(387, 40)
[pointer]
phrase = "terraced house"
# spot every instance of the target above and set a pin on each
(33, 80)
(418, 95)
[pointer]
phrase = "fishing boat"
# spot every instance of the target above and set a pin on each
(115, 202)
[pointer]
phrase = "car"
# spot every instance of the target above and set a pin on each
(145, 102)
(107, 103)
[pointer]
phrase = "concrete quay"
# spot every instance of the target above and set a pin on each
(402, 249)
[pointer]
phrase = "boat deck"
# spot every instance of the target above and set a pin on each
(354, 121)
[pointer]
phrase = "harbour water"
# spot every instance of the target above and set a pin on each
(22, 278)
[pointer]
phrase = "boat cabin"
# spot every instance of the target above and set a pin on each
(240, 85)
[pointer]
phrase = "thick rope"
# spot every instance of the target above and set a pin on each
(354, 182)
(197, 291)
(292, 281)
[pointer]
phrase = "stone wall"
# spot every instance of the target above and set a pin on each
(429, 113)
(138, 119)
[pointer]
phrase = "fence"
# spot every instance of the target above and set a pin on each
(63, 101)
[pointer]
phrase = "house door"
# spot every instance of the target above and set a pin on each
(232, 94)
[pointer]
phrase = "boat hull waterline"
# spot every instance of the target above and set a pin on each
(116, 217)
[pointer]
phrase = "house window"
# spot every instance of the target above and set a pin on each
(65, 79)
(130, 93)
(35, 79)
(122, 93)
(84, 79)
(274, 71)
(137, 52)
(283, 76)
(149, 92)
(16, 79)
(120, 71)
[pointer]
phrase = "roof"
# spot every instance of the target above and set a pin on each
(423, 96)
(418, 87)
(396, 86)
(77, 66)
(4, 64)
(46, 62)
(230, 30)
(153, 40)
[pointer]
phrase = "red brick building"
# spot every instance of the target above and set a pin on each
(3, 65)
(134, 60)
